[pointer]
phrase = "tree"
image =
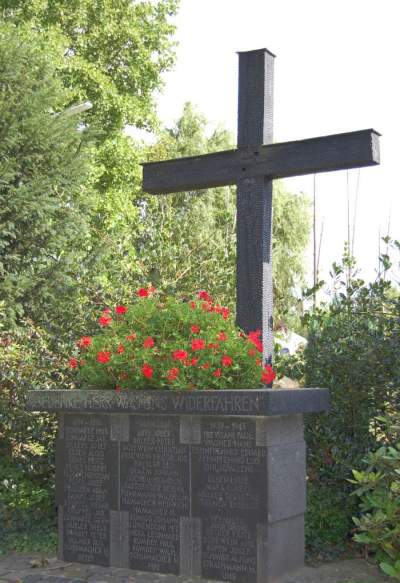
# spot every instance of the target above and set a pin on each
(188, 240)
(114, 52)
(43, 162)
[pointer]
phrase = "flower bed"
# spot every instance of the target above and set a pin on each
(166, 343)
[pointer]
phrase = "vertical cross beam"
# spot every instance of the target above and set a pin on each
(254, 199)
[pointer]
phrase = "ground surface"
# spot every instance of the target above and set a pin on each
(35, 568)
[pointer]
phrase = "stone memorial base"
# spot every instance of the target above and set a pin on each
(210, 484)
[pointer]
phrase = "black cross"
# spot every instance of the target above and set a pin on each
(252, 167)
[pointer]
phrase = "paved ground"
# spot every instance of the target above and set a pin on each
(34, 568)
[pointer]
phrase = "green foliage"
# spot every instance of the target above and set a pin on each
(378, 488)
(354, 350)
(164, 342)
(42, 165)
(115, 52)
(27, 511)
(328, 519)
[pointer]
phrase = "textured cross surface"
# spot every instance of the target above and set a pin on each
(252, 167)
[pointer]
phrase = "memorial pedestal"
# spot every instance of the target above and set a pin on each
(210, 483)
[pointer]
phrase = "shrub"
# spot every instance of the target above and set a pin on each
(378, 488)
(164, 342)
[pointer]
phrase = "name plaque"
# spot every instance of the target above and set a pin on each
(229, 477)
(154, 489)
(84, 487)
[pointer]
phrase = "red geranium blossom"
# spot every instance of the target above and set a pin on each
(192, 362)
(193, 305)
(268, 374)
(217, 373)
(73, 363)
(179, 355)
(198, 344)
(226, 360)
(131, 337)
(149, 342)
(103, 357)
(172, 374)
(121, 310)
(203, 295)
(147, 371)
(206, 365)
(120, 349)
(222, 336)
(254, 338)
(145, 292)
(84, 342)
(105, 320)
(195, 329)
(225, 313)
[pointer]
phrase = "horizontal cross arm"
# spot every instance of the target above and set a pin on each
(324, 154)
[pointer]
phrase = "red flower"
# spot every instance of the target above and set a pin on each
(193, 305)
(121, 310)
(222, 336)
(252, 352)
(198, 344)
(105, 320)
(206, 365)
(225, 313)
(203, 295)
(207, 307)
(84, 342)
(192, 362)
(217, 373)
(254, 338)
(149, 342)
(107, 311)
(172, 374)
(213, 345)
(226, 360)
(145, 292)
(120, 349)
(131, 337)
(73, 363)
(268, 374)
(147, 371)
(179, 355)
(195, 329)
(103, 357)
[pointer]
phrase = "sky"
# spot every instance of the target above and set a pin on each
(336, 70)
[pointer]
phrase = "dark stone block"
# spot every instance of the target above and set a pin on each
(87, 466)
(251, 402)
(229, 490)
(286, 483)
(182, 494)
(154, 490)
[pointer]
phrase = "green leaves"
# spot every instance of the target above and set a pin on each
(169, 343)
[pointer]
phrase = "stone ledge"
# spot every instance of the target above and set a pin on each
(253, 402)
